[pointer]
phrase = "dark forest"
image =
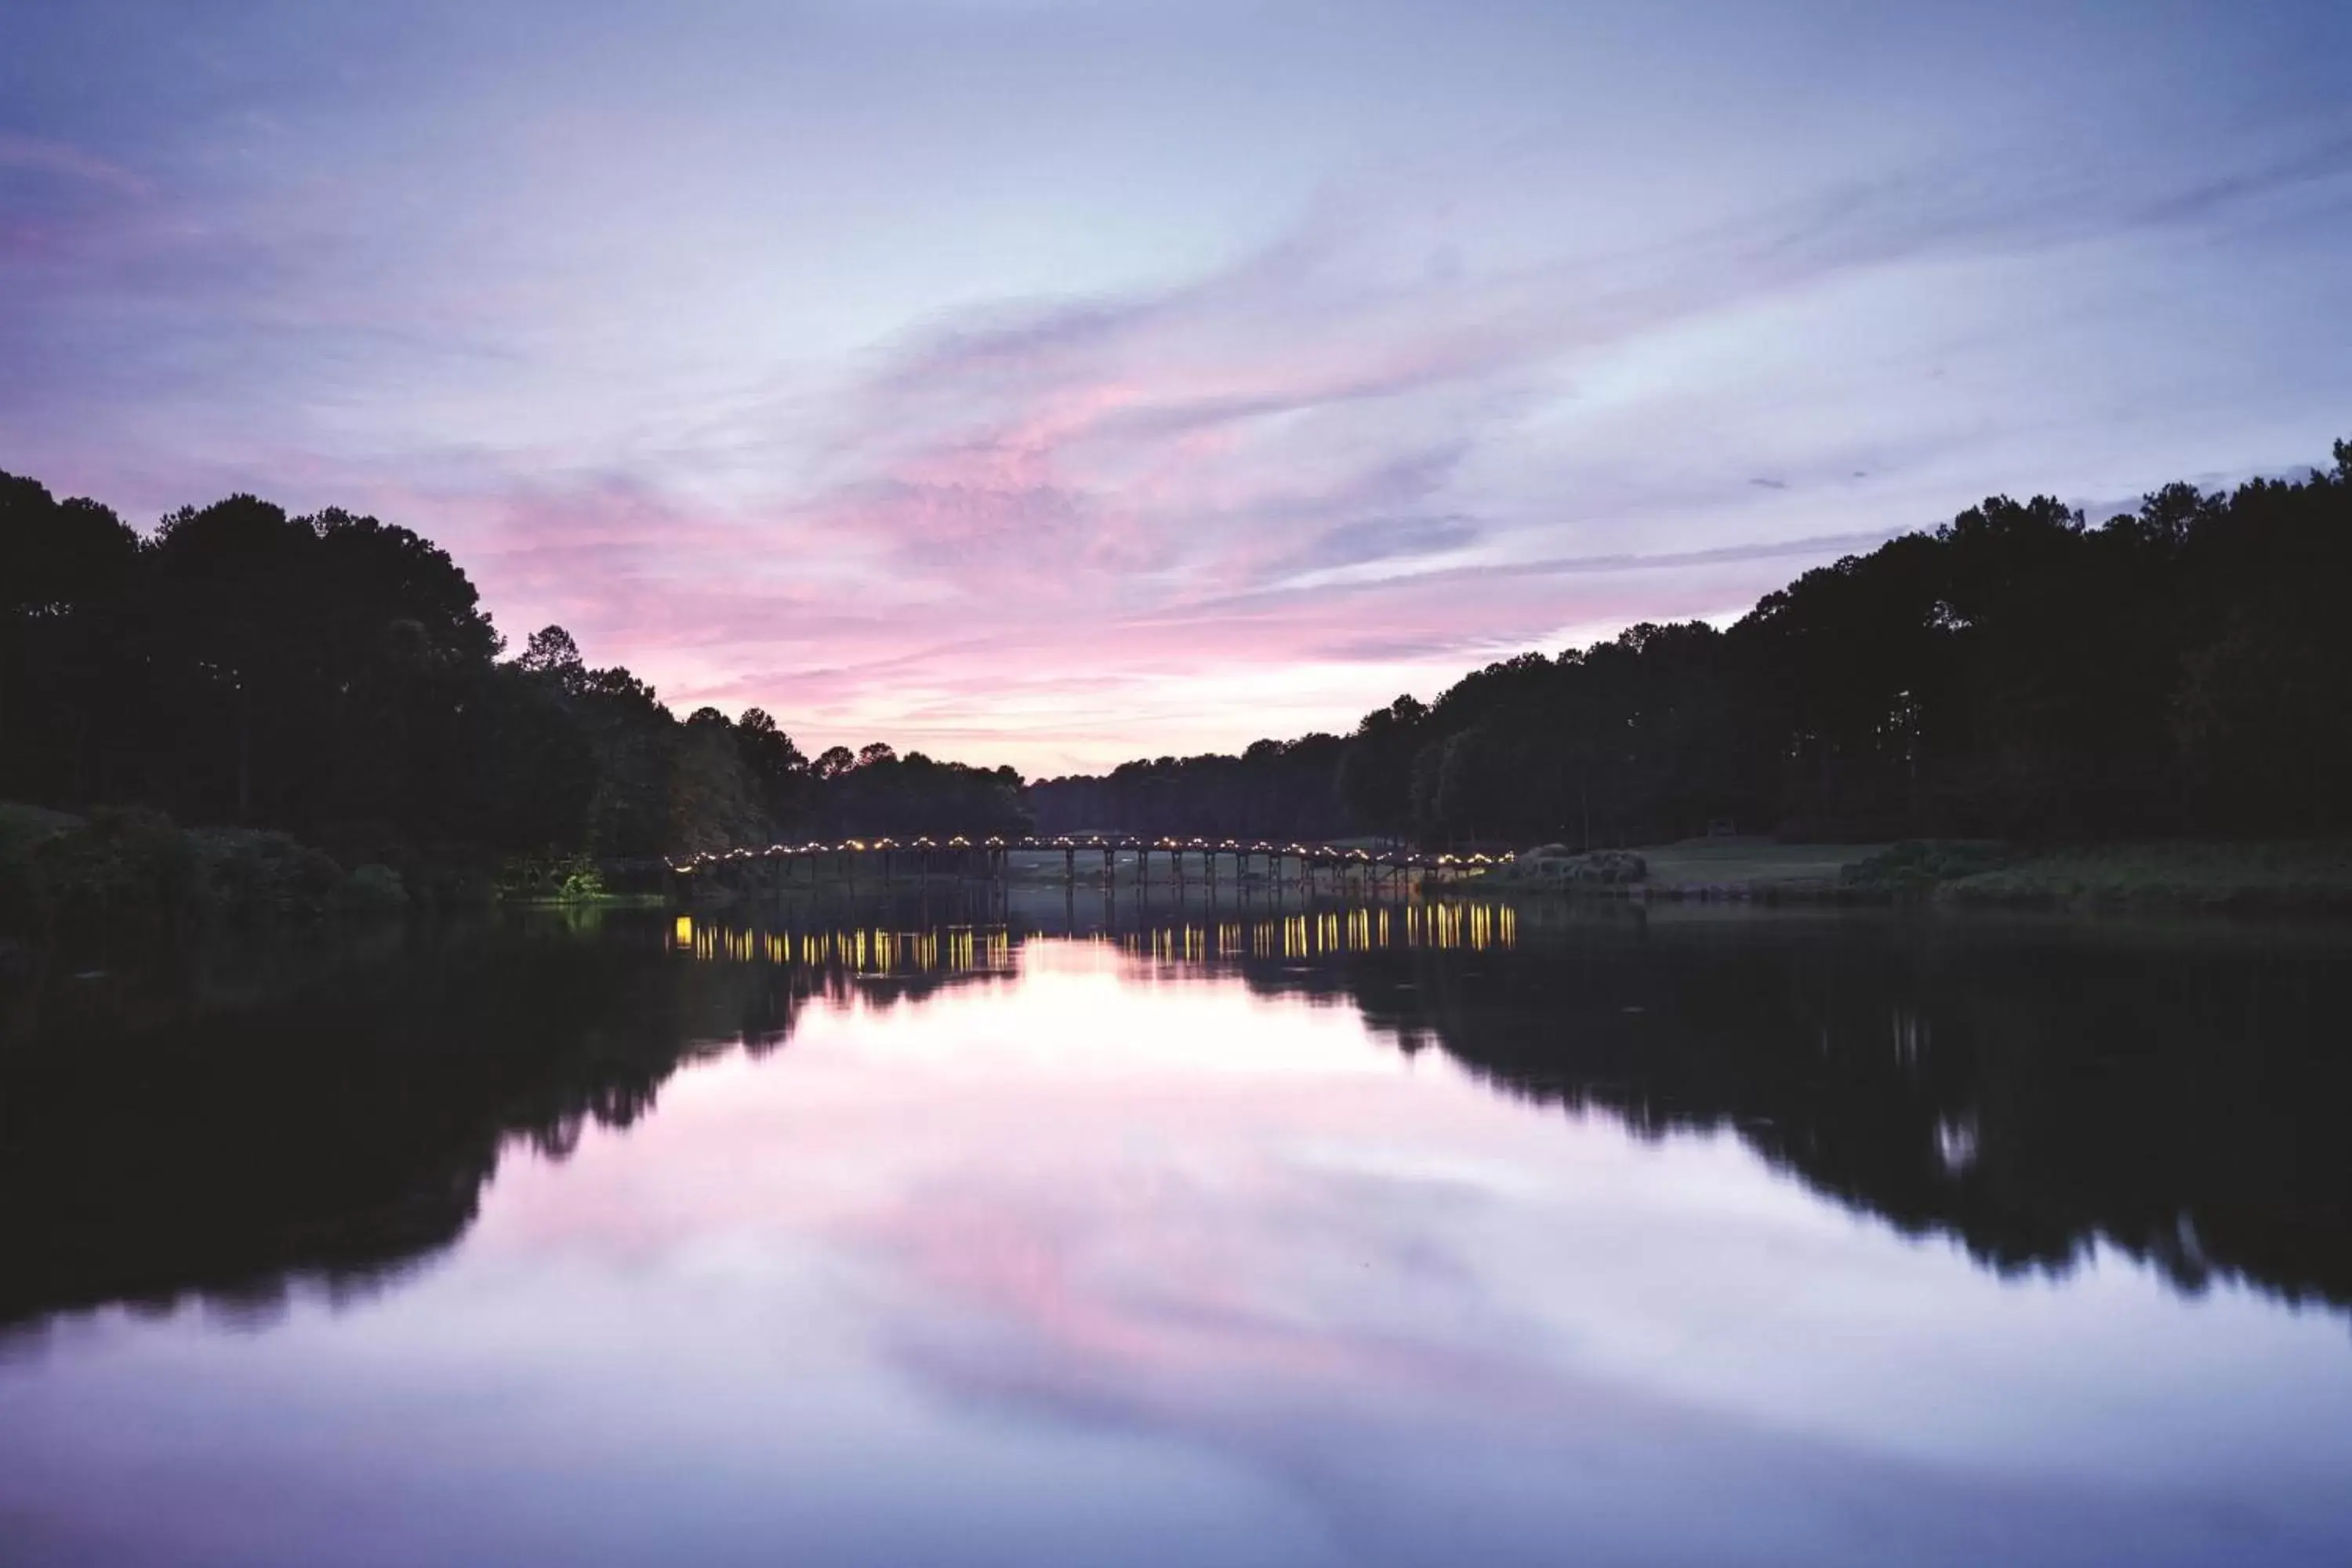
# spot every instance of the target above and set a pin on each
(2185, 668)
(337, 677)
(2017, 673)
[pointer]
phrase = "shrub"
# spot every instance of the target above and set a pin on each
(372, 888)
(249, 871)
(1606, 867)
(551, 879)
(127, 871)
(1916, 865)
(24, 903)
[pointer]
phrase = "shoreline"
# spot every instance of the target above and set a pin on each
(2262, 877)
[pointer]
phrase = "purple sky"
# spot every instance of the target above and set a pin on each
(1055, 382)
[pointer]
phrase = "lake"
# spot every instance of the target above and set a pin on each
(968, 1228)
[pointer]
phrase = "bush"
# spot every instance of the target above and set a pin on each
(1604, 868)
(372, 889)
(451, 876)
(134, 873)
(1918, 865)
(25, 905)
(249, 871)
(125, 872)
(551, 879)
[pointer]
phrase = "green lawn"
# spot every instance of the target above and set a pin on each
(2175, 874)
(1706, 862)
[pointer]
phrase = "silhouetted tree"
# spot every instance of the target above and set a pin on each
(2185, 667)
(2181, 669)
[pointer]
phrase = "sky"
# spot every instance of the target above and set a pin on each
(1055, 382)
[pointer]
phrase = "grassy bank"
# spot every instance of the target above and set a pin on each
(2273, 876)
(1693, 868)
(1711, 864)
(2191, 874)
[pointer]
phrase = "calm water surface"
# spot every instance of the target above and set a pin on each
(1369, 1236)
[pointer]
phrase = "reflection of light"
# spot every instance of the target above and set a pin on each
(965, 949)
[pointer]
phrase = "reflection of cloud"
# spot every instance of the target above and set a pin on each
(1177, 1291)
(1329, 1340)
(1148, 1216)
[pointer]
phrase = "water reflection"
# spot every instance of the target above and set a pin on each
(2034, 1090)
(1155, 1234)
(1319, 934)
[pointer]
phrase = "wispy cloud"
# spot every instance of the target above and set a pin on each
(1290, 462)
(1254, 398)
(36, 155)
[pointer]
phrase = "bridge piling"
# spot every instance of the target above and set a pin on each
(1393, 869)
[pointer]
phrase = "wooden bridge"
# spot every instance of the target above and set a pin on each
(989, 858)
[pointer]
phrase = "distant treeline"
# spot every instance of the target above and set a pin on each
(337, 677)
(2183, 669)
(1276, 789)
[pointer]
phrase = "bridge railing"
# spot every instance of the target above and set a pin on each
(994, 847)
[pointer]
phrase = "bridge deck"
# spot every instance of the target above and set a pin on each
(962, 851)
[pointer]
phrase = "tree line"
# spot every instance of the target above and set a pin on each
(2017, 673)
(337, 677)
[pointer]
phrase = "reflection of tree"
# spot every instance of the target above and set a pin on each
(2027, 1092)
(334, 1116)
(340, 1125)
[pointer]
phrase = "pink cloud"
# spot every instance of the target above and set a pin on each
(64, 159)
(1061, 536)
